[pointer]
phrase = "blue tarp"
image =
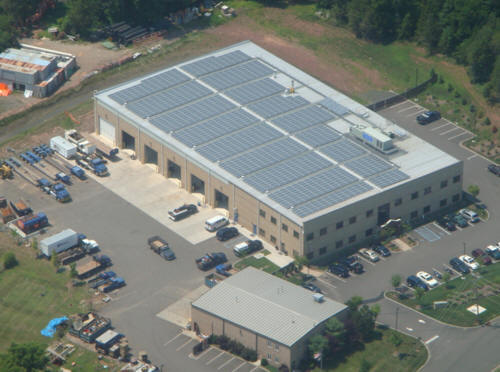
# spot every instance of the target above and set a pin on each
(51, 327)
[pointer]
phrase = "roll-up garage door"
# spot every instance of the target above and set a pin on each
(107, 130)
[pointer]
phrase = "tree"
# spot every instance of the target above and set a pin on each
(353, 303)
(473, 190)
(73, 273)
(9, 261)
(28, 357)
(317, 344)
(365, 366)
(301, 261)
(419, 294)
(396, 280)
(336, 334)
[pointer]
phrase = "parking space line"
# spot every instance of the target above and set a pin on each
(439, 227)
(416, 112)
(241, 365)
(254, 368)
(173, 339)
(441, 126)
(437, 271)
(325, 282)
(226, 363)
(458, 135)
(180, 347)
(201, 354)
(472, 157)
(407, 108)
(335, 276)
(449, 130)
(364, 259)
(215, 357)
(452, 269)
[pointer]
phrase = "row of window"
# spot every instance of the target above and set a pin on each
(274, 221)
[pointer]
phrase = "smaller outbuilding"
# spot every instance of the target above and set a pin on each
(265, 313)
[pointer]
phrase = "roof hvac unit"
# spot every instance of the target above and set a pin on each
(375, 138)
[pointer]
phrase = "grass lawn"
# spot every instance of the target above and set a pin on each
(86, 360)
(31, 294)
(382, 355)
(261, 263)
(461, 294)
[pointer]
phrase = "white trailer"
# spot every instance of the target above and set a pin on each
(63, 147)
(60, 242)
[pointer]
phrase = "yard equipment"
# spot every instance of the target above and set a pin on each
(5, 170)
(29, 224)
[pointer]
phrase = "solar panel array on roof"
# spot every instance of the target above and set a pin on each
(237, 75)
(312, 187)
(389, 178)
(241, 141)
(254, 91)
(276, 105)
(368, 165)
(168, 99)
(303, 118)
(332, 198)
(216, 127)
(149, 86)
(203, 110)
(342, 150)
(318, 136)
(211, 64)
(333, 106)
(262, 157)
(288, 171)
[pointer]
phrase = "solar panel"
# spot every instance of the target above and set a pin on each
(342, 150)
(318, 136)
(331, 199)
(286, 172)
(368, 165)
(312, 187)
(202, 110)
(238, 142)
(211, 64)
(254, 91)
(302, 119)
(276, 105)
(263, 157)
(335, 107)
(149, 86)
(237, 75)
(389, 178)
(168, 99)
(216, 127)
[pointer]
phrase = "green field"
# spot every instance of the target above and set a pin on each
(261, 263)
(461, 293)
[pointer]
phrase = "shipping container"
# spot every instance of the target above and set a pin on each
(60, 242)
(63, 147)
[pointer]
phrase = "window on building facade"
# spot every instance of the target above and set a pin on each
(262, 232)
(456, 179)
(273, 220)
(295, 234)
(273, 239)
(369, 232)
(339, 244)
(310, 255)
(282, 246)
(262, 213)
(443, 202)
(427, 190)
(270, 344)
(414, 195)
(352, 220)
(310, 237)
(427, 209)
(322, 250)
(284, 227)
(340, 225)
(455, 198)
(323, 231)
(352, 238)
(398, 201)
(369, 213)
(414, 215)
(444, 184)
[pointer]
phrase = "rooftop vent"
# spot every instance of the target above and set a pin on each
(318, 297)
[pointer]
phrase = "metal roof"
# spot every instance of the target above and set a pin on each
(234, 113)
(57, 237)
(267, 305)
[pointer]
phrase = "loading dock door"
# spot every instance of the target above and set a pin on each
(107, 130)
(221, 200)
(174, 170)
(197, 185)
(128, 141)
(150, 155)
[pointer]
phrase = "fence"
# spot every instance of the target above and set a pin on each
(403, 96)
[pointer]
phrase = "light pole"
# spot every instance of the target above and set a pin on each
(464, 247)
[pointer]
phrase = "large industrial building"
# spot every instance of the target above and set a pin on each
(301, 165)
(36, 71)
(265, 313)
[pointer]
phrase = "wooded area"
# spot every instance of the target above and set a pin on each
(468, 31)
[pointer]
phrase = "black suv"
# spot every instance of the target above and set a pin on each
(226, 233)
(352, 264)
(459, 266)
(495, 169)
(339, 270)
(382, 250)
(428, 117)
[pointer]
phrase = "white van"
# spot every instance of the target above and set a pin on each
(215, 223)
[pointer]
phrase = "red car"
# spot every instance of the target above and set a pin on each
(477, 252)
(487, 260)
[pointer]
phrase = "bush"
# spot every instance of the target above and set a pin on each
(9, 261)
(212, 339)
(365, 366)
(223, 342)
(249, 354)
(73, 273)
(264, 362)
(464, 101)
(487, 121)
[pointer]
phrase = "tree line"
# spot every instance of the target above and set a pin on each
(468, 31)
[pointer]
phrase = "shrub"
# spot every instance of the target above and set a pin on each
(249, 354)
(9, 261)
(395, 339)
(223, 342)
(212, 339)
(264, 362)
(365, 366)
(487, 121)
(464, 101)
(450, 87)
(494, 129)
(472, 108)
(73, 273)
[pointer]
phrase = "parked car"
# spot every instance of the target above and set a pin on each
(460, 221)
(493, 251)
(352, 264)
(428, 117)
(339, 270)
(486, 260)
(477, 252)
(495, 169)
(459, 266)
(469, 215)
(182, 212)
(446, 223)
(469, 261)
(312, 287)
(370, 254)
(382, 250)
(226, 233)
(248, 247)
(427, 279)
(415, 282)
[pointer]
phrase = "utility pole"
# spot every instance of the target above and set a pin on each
(464, 247)
(397, 314)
